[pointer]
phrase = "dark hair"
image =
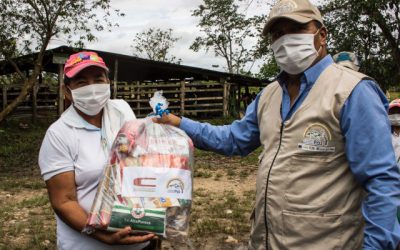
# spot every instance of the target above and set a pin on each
(318, 24)
(68, 80)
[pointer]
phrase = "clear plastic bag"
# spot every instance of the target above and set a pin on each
(148, 182)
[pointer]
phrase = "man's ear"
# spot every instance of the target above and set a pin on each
(67, 93)
(323, 35)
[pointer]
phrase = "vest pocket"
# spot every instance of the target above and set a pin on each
(311, 231)
(310, 184)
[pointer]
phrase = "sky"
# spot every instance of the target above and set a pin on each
(176, 14)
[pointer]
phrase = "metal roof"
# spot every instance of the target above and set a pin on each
(132, 68)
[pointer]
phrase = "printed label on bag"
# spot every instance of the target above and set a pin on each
(156, 182)
(150, 220)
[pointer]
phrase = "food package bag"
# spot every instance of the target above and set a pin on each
(147, 184)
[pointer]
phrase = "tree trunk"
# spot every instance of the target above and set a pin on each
(26, 89)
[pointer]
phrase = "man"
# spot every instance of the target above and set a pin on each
(75, 151)
(347, 59)
(327, 177)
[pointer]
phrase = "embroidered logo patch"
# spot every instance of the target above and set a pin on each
(316, 138)
(283, 7)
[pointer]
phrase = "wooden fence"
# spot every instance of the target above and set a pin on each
(189, 98)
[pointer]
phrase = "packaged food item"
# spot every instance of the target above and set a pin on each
(147, 184)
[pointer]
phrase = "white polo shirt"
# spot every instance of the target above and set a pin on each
(72, 144)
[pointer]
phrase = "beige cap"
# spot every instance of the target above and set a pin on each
(347, 59)
(301, 11)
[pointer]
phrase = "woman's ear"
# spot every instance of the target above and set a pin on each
(67, 92)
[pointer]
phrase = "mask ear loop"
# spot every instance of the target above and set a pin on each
(316, 33)
(72, 96)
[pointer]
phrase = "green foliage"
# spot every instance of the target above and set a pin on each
(155, 44)
(28, 26)
(371, 29)
(225, 33)
(269, 70)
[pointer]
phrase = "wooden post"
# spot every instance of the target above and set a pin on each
(239, 98)
(182, 111)
(4, 96)
(225, 112)
(35, 89)
(60, 90)
(115, 78)
(138, 97)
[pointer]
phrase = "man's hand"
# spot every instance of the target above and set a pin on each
(169, 119)
(121, 237)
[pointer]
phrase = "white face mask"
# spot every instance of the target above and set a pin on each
(294, 53)
(92, 98)
(394, 119)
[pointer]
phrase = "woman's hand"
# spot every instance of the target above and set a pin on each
(121, 237)
(63, 198)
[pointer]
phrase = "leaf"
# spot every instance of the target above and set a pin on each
(155, 44)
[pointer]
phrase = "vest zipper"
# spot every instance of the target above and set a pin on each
(266, 186)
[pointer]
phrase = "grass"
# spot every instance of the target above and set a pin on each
(27, 224)
(394, 95)
(26, 218)
(20, 147)
(205, 164)
(221, 213)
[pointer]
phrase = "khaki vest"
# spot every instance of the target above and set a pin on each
(311, 198)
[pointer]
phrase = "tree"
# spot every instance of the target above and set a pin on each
(370, 28)
(227, 33)
(269, 70)
(29, 25)
(155, 44)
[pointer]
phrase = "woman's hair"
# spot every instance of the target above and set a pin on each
(68, 80)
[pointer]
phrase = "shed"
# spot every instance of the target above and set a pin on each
(191, 91)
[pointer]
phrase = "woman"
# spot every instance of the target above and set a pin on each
(75, 151)
(394, 117)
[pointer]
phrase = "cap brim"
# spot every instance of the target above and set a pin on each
(73, 72)
(296, 18)
(348, 64)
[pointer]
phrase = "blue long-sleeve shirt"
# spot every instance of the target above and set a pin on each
(366, 129)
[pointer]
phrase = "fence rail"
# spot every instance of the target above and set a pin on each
(185, 98)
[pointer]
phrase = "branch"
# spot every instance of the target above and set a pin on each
(38, 13)
(380, 20)
(15, 66)
(331, 7)
(56, 15)
(46, 11)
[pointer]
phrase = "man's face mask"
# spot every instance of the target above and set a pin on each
(91, 98)
(294, 53)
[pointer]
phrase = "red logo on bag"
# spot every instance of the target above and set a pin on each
(138, 213)
(144, 182)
